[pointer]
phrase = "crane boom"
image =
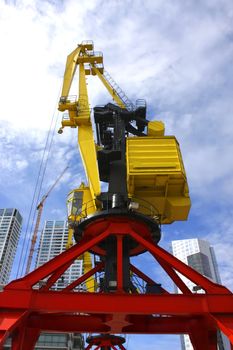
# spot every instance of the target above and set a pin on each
(37, 224)
(90, 63)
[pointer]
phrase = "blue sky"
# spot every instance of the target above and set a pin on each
(175, 54)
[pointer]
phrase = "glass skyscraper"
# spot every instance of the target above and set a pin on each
(53, 242)
(199, 255)
(10, 227)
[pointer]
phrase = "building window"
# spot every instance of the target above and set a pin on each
(200, 263)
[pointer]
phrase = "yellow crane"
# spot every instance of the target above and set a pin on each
(141, 165)
(40, 207)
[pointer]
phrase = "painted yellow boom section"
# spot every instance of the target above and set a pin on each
(85, 136)
(78, 109)
(71, 65)
(156, 177)
(79, 112)
(108, 87)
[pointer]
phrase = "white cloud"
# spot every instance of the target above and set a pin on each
(21, 164)
(176, 55)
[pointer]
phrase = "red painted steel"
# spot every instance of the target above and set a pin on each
(29, 305)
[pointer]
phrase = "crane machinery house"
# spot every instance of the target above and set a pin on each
(142, 167)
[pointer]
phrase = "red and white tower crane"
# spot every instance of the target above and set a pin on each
(39, 208)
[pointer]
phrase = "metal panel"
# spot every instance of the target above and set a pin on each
(156, 175)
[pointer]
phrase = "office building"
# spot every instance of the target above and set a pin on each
(53, 242)
(10, 227)
(56, 341)
(199, 255)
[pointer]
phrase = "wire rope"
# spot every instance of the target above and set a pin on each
(36, 195)
(39, 193)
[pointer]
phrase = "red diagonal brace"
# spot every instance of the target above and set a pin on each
(185, 270)
(145, 278)
(84, 277)
(64, 258)
(175, 278)
(225, 324)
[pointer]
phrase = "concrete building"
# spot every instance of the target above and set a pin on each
(10, 227)
(199, 255)
(53, 242)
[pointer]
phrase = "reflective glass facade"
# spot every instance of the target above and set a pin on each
(10, 227)
(199, 255)
(53, 242)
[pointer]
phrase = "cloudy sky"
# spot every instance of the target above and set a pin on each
(175, 54)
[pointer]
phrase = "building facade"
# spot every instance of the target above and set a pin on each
(10, 228)
(53, 242)
(56, 341)
(199, 255)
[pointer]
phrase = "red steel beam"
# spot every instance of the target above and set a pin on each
(175, 278)
(116, 312)
(84, 277)
(97, 324)
(178, 265)
(53, 265)
(59, 301)
(145, 278)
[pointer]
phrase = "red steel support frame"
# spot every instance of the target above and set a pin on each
(26, 310)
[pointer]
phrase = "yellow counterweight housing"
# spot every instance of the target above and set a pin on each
(156, 177)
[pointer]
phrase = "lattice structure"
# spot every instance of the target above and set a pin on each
(27, 310)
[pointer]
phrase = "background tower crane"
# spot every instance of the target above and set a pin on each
(39, 208)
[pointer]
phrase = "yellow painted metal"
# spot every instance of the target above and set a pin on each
(111, 91)
(87, 266)
(80, 204)
(69, 242)
(79, 112)
(156, 177)
(155, 171)
(71, 65)
(87, 262)
(155, 128)
(88, 153)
